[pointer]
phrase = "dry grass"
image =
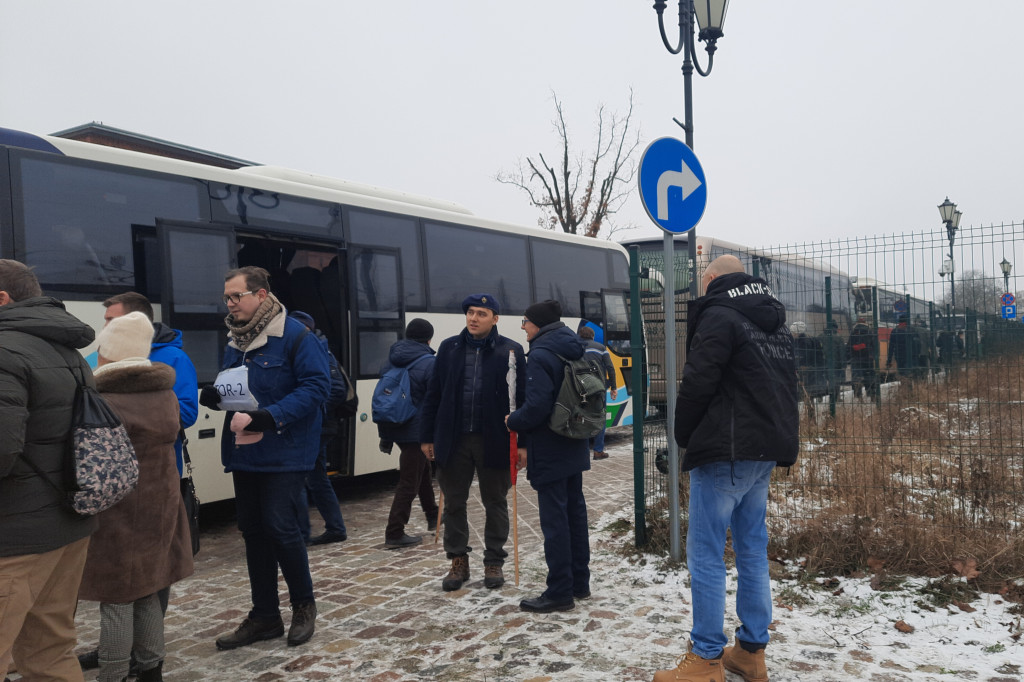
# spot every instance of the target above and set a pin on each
(931, 478)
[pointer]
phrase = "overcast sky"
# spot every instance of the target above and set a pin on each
(821, 119)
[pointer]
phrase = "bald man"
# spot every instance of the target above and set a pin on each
(736, 417)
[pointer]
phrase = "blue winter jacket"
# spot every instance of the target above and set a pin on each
(403, 354)
(549, 455)
(167, 348)
(292, 392)
(441, 412)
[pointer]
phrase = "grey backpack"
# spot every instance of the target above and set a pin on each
(579, 408)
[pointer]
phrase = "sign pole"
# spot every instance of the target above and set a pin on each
(670, 396)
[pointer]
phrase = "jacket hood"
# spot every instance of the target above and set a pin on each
(558, 338)
(404, 352)
(46, 318)
(750, 296)
(165, 336)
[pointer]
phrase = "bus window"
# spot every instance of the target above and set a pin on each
(377, 282)
(76, 219)
(464, 261)
(400, 233)
(234, 204)
(562, 270)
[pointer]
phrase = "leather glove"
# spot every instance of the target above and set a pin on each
(209, 397)
(386, 446)
(262, 420)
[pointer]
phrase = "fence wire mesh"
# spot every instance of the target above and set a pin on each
(909, 358)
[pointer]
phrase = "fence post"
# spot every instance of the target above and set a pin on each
(830, 353)
(637, 376)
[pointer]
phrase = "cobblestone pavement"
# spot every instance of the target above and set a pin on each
(383, 616)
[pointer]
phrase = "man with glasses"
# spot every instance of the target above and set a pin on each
(462, 428)
(275, 377)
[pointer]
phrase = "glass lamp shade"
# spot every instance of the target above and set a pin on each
(946, 209)
(1006, 266)
(710, 17)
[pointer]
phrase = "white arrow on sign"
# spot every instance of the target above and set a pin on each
(684, 180)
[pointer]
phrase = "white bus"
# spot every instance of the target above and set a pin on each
(94, 221)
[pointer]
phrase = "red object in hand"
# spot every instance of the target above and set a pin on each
(513, 455)
(860, 346)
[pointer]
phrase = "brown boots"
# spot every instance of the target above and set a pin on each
(692, 668)
(750, 666)
(458, 574)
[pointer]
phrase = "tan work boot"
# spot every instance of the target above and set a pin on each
(692, 668)
(458, 574)
(750, 666)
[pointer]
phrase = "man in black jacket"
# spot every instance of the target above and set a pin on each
(43, 543)
(737, 418)
(462, 428)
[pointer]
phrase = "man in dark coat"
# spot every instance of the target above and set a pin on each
(737, 418)
(863, 345)
(555, 463)
(463, 430)
(904, 348)
(43, 543)
(414, 478)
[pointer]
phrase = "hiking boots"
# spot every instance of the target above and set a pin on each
(458, 574)
(749, 665)
(251, 630)
(493, 577)
(598, 454)
(692, 668)
(303, 623)
(154, 674)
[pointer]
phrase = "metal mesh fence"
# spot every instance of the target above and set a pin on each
(912, 414)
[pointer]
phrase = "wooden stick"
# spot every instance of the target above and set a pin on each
(515, 531)
(440, 510)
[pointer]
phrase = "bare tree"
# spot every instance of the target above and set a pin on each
(584, 193)
(976, 290)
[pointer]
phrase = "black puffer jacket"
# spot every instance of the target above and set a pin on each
(37, 392)
(738, 397)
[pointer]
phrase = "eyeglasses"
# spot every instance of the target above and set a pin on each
(235, 298)
(524, 322)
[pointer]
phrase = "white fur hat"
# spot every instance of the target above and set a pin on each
(128, 336)
(797, 327)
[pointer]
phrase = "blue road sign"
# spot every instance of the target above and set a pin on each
(672, 185)
(1009, 312)
(1008, 299)
(899, 305)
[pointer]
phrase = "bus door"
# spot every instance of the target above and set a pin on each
(607, 313)
(193, 259)
(378, 321)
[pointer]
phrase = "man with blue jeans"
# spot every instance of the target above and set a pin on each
(737, 418)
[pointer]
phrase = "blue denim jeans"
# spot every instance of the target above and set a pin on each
(724, 496)
(322, 496)
(269, 506)
(598, 441)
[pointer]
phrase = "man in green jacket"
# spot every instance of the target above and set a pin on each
(43, 543)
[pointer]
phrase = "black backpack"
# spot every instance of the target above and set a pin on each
(579, 408)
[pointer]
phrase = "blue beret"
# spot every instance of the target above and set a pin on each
(481, 301)
(304, 318)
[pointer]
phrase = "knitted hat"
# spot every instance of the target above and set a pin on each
(304, 318)
(544, 313)
(481, 301)
(798, 327)
(128, 336)
(419, 329)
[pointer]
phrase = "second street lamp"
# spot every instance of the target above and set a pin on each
(1007, 267)
(951, 217)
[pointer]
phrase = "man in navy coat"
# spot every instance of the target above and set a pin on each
(462, 428)
(555, 463)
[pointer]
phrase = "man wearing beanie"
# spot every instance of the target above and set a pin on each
(143, 544)
(462, 428)
(284, 378)
(415, 354)
(556, 463)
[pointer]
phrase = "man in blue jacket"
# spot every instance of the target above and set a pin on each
(737, 418)
(462, 428)
(275, 377)
(555, 463)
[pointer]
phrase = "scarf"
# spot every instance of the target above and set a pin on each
(245, 334)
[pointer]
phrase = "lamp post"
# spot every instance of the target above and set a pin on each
(710, 15)
(947, 269)
(1006, 266)
(951, 217)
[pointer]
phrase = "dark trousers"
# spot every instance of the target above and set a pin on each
(563, 520)
(269, 506)
(321, 495)
(413, 479)
(455, 479)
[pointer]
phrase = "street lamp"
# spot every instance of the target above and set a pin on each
(951, 217)
(947, 269)
(1006, 266)
(710, 15)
